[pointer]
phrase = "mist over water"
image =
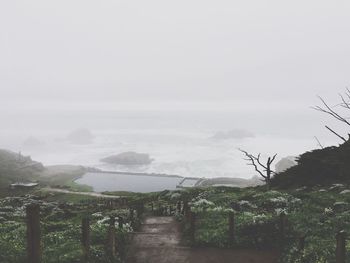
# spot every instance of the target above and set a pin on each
(180, 142)
(256, 66)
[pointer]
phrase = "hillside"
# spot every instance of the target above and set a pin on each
(319, 167)
(15, 167)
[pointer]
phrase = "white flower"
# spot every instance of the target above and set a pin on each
(280, 211)
(175, 196)
(103, 221)
(259, 219)
(203, 204)
(97, 214)
(328, 211)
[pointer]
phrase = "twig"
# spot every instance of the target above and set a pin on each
(319, 143)
(332, 131)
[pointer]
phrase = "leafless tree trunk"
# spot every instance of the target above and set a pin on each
(264, 170)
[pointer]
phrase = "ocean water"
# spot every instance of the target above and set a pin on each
(102, 182)
(180, 142)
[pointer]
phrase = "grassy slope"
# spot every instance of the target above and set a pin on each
(15, 168)
(318, 213)
(64, 176)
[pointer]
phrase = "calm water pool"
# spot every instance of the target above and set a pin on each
(125, 182)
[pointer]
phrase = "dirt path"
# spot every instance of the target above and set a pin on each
(80, 193)
(159, 242)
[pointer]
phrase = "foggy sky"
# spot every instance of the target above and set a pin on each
(185, 50)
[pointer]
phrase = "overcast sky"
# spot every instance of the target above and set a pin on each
(184, 50)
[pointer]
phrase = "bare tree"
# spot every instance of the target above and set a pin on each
(319, 143)
(264, 170)
(334, 111)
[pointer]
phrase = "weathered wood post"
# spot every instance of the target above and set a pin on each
(85, 241)
(152, 207)
(178, 207)
(192, 216)
(231, 226)
(141, 209)
(120, 222)
(186, 210)
(184, 207)
(301, 243)
(159, 210)
(33, 234)
(111, 238)
(282, 228)
(131, 216)
(341, 247)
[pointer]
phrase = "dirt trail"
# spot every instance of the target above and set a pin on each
(159, 242)
(93, 194)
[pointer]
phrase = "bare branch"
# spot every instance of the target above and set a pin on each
(344, 103)
(332, 131)
(273, 158)
(264, 171)
(319, 143)
(328, 110)
(252, 160)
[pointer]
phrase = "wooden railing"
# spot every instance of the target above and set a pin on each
(191, 218)
(34, 235)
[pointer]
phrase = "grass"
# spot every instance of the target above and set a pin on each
(317, 213)
(63, 197)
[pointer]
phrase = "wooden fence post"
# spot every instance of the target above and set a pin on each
(282, 227)
(159, 210)
(152, 208)
(184, 207)
(85, 241)
(178, 207)
(120, 222)
(131, 210)
(186, 210)
(111, 238)
(301, 244)
(33, 234)
(231, 226)
(341, 247)
(192, 216)
(141, 209)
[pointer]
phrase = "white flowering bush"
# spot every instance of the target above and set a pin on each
(201, 205)
(175, 196)
(328, 211)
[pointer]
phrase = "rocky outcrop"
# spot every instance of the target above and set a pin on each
(80, 136)
(32, 143)
(128, 158)
(285, 163)
(233, 134)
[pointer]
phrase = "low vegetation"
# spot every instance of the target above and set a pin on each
(61, 228)
(316, 213)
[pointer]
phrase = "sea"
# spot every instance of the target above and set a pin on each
(180, 142)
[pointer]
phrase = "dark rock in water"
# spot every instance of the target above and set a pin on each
(128, 158)
(33, 142)
(80, 136)
(233, 134)
(285, 163)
